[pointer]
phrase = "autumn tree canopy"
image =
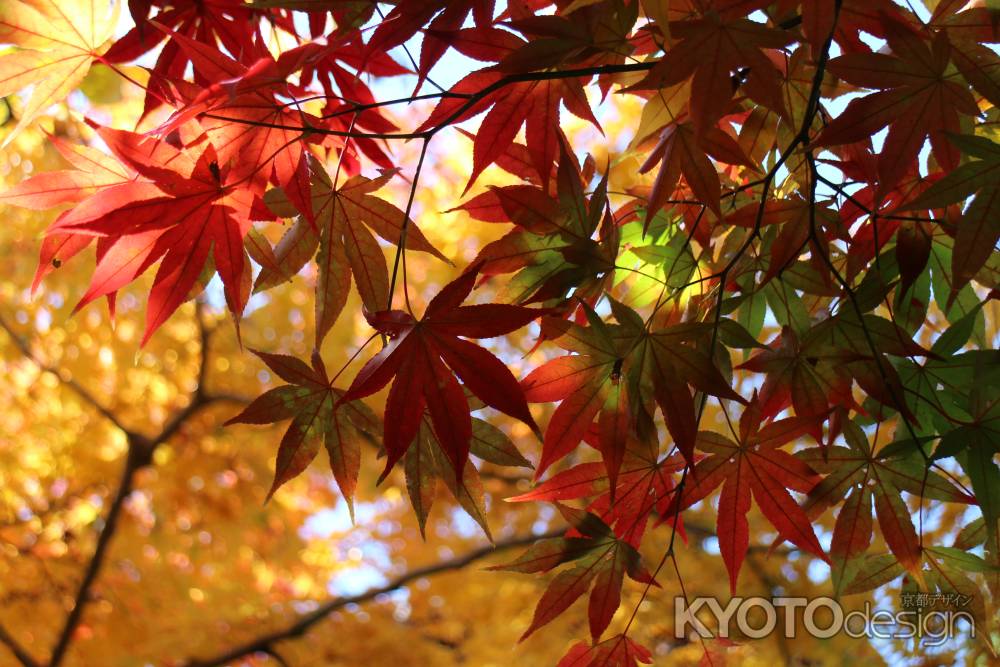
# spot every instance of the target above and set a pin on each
(630, 301)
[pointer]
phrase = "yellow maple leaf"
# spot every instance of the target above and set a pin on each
(57, 40)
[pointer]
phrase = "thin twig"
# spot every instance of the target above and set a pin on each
(470, 102)
(401, 246)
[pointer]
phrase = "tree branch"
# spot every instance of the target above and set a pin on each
(94, 566)
(19, 652)
(140, 454)
(265, 643)
(70, 383)
(471, 100)
(204, 333)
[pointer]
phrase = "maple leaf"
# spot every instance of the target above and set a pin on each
(185, 207)
(586, 383)
(863, 476)
(485, 44)
(794, 216)
(313, 404)
(968, 392)
(919, 100)
(591, 382)
(868, 204)
(406, 19)
(663, 365)
(425, 462)
(853, 18)
(708, 50)
(93, 171)
(814, 372)
(601, 560)
(848, 274)
(948, 572)
(58, 40)
(618, 651)
(417, 360)
(978, 230)
(345, 217)
(230, 24)
(580, 34)
(225, 22)
(643, 485)
(350, 104)
(256, 136)
(753, 466)
(552, 250)
(534, 104)
(806, 374)
(682, 151)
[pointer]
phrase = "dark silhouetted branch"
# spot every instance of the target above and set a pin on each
(96, 561)
(265, 643)
(70, 383)
(140, 454)
(22, 655)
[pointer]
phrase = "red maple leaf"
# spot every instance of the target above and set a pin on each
(534, 103)
(553, 249)
(232, 24)
(258, 136)
(708, 50)
(618, 651)
(644, 484)
(345, 217)
(311, 401)
(853, 18)
(601, 560)
(407, 18)
(586, 383)
(417, 360)
(682, 151)
(917, 98)
(754, 466)
(93, 172)
(185, 207)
